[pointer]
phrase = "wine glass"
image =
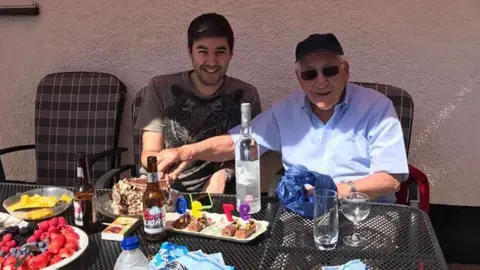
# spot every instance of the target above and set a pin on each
(355, 207)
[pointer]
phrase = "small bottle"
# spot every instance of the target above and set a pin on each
(153, 205)
(84, 197)
(131, 257)
(247, 165)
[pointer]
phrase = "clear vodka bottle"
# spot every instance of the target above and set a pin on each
(247, 165)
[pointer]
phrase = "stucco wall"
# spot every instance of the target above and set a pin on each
(429, 48)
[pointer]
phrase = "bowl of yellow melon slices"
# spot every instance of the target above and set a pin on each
(40, 203)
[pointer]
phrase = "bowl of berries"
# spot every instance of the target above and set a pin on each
(49, 244)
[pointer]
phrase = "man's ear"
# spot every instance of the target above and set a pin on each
(189, 52)
(346, 69)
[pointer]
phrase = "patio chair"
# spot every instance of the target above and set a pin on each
(403, 103)
(75, 111)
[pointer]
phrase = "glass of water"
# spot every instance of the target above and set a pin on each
(325, 219)
(355, 207)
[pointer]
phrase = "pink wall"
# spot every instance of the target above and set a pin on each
(429, 48)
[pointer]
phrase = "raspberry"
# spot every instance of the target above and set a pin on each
(7, 238)
(52, 229)
(32, 239)
(37, 233)
(43, 226)
(53, 221)
(62, 221)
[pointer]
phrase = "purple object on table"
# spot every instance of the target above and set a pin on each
(244, 210)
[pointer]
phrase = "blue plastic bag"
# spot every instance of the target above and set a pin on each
(292, 193)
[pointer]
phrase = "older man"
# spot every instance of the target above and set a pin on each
(330, 126)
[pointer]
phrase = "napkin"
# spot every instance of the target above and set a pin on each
(351, 265)
(199, 260)
(291, 190)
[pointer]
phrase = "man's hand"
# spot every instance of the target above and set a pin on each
(170, 164)
(217, 182)
(343, 190)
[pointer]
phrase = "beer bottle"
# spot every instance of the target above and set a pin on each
(153, 205)
(84, 197)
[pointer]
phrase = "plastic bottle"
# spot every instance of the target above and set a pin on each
(131, 257)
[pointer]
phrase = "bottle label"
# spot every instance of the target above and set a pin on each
(153, 219)
(84, 209)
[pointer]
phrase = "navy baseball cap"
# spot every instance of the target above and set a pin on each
(318, 43)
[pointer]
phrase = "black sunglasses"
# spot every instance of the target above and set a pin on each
(311, 74)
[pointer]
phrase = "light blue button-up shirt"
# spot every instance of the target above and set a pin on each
(364, 136)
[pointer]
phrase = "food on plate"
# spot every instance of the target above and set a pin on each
(36, 200)
(49, 241)
(120, 228)
(127, 196)
(230, 229)
(198, 224)
(182, 222)
(246, 230)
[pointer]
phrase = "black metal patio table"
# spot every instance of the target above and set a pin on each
(400, 237)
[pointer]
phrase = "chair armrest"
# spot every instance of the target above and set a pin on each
(109, 153)
(10, 150)
(423, 185)
(105, 181)
(16, 148)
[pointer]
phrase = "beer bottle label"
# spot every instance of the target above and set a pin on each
(85, 209)
(153, 219)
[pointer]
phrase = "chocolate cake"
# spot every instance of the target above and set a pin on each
(127, 197)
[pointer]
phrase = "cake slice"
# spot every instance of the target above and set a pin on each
(230, 229)
(246, 230)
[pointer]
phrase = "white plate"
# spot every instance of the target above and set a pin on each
(215, 230)
(82, 241)
(82, 246)
(11, 221)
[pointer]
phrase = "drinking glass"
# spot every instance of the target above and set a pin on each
(325, 219)
(355, 207)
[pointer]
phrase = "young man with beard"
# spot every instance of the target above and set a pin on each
(194, 105)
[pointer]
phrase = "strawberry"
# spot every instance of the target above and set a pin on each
(72, 235)
(7, 237)
(43, 226)
(65, 252)
(39, 261)
(2, 244)
(8, 267)
(54, 247)
(71, 245)
(37, 233)
(32, 239)
(53, 222)
(10, 261)
(2, 260)
(55, 259)
(52, 229)
(58, 238)
(62, 221)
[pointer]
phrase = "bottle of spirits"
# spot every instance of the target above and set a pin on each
(247, 165)
(153, 205)
(84, 197)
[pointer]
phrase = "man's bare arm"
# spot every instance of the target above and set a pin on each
(373, 185)
(216, 149)
(152, 144)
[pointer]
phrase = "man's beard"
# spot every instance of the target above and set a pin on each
(203, 76)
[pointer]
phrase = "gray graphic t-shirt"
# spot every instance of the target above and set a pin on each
(171, 106)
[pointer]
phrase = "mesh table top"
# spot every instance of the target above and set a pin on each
(399, 238)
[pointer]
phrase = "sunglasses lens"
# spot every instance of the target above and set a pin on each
(309, 74)
(330, 71)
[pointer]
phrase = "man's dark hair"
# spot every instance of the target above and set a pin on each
(210, 25)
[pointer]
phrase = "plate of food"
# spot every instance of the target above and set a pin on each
(213, 225)
(126, 198)
(40, 203)
(50, 244)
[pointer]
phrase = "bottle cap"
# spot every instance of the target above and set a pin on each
(130, 243)
(181, 205)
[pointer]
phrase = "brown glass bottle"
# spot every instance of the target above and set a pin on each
(153, 205)
(84, 197)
